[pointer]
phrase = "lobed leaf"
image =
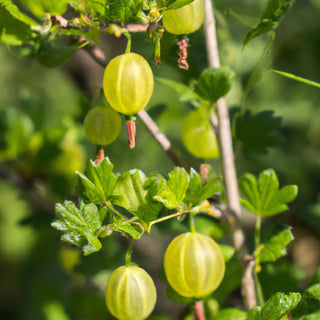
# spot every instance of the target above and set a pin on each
(214, 83)
(263, 196)
(259, 131)
(98, 183)
(79, 226)
(276, 307)
(135, 193)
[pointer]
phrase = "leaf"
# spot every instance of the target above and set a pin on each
(178, 4)
(40, 7)
(269, 19)
(173, 191)
(16, 13)
(263, 197)
(135, 193)
(98, 183)
(279, 305)
(79, 226)
(185, 93)
(309, 307)
(214, 83)
(230, 314)
(254, 313)
(196, 193)
(123, 10)
(275, 248)
(122, 226)
(276, 307)
(258, 132)
(300, 79)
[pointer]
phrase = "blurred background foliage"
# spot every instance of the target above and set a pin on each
(42, 143)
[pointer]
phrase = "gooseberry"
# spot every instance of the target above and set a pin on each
(194, 265)
(184, 20)
(128, 83)
(130, 293)
(102, 125)
(198, 136)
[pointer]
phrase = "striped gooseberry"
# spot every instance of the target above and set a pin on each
(184, 20)
(198, 136)
(128, 83)
(194, 265)
(130, 293)
(102, 125)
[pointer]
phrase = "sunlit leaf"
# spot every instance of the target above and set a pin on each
(263, 196)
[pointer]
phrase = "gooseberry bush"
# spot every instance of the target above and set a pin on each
(212, 255)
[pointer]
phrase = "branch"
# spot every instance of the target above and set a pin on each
(227, 158)
(97, 54)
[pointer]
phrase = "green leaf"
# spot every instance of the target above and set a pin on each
(300, 79)
(310, 304)
(178, 4)
(230, 314)
(122, 226)
(123, 10)
(254, 313)
(173, 191)
(196, 193)
(135, 193)
(258, 132)
(275, 248)
(40, 7)
(279, 305)
(185, 93)
(214, 83)
(269, 19)
(79, 226)
(15, 12)
(98, 183)
(263, 197)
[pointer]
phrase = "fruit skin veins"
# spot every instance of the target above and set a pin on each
(102, 125)
(194, 265)
(130, 293)
(198, 136)
(184, 20)
(128, 83)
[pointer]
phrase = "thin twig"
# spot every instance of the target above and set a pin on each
(227, 159)
(97, 54)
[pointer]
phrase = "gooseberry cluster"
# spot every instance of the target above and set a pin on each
(194, 267)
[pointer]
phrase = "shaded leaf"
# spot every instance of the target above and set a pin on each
(263, 196)
(269, 19)
(260, 131)
(40, 7)
(214, 83)
(79, 226)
